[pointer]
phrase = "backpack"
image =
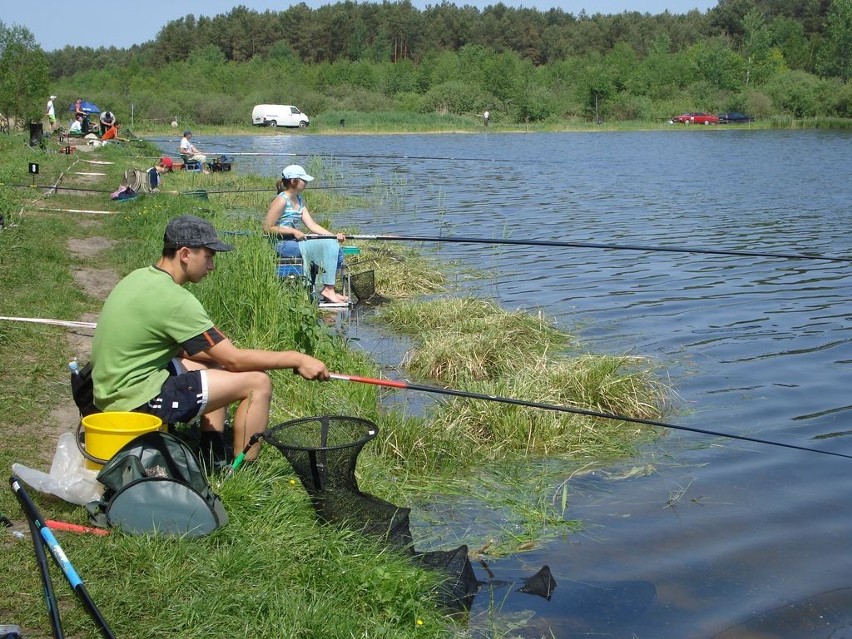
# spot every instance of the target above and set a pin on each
(155, 484)
(83, 391)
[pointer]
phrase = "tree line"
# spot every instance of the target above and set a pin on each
(767, 57)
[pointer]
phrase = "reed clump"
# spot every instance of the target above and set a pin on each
(467, 339)
(486, 350)
(399, 272)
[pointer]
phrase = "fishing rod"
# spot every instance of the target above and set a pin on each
(59, 556)
(574, 410)
(49, 594)
(596, 245)
(239, 459)
(384, 157)
(270, 189)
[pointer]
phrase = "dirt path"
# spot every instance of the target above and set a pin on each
(97, 283)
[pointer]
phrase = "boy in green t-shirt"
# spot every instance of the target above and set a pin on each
(156, 350)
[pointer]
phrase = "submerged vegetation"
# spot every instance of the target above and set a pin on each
(274, 571)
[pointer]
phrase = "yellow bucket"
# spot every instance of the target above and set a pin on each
(107, 433)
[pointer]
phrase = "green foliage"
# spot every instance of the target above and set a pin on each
(522, 65)
(796, 92)
(23, 75)
(835, 58)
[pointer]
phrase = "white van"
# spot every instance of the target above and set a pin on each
(278, 115)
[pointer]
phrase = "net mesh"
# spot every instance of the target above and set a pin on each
(363, 286)
(323, 452)
(541, 583)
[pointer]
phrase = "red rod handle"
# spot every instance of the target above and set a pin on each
(69, 527)
(369, 380)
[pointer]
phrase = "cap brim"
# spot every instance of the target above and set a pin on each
(220, 247)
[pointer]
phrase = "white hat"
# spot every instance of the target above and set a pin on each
(295, 171)
(53, 97)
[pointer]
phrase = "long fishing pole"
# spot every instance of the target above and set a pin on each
(596, 245)
(574, 410)
(382, 156)
(59, 556)
(49, 594)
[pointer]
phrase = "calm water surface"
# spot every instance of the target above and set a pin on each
(757, 542)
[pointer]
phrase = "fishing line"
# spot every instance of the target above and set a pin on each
(595, 245)
(214, 191)
(382, 157)
(573, 410)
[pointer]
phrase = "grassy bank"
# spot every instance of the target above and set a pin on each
(274, 571)
(390, 123)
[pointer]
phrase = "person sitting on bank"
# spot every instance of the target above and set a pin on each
(155, 173)
(188, 151)
(156, 350)
(288, 209)
(136, 182)
(112, 133)
(76, 127)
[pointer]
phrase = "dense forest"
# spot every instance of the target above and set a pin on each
(768, 57)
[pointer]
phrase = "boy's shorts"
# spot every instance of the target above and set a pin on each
(183, 397)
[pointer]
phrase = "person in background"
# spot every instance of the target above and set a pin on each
(188, 151)
(136, 182)
(51, 113)
(79, 112)
(156, 350)
(107, 119)
(288, 209)
(112, 133)
(76, 127)
(485, 117)
(154, 174)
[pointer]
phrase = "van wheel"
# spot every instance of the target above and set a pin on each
(273, 123)
(303, 124)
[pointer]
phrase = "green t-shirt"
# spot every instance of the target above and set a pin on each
(143, 324)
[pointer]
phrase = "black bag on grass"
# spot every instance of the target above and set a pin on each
(155, 484)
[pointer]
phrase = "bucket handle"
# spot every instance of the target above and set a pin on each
(79, 439)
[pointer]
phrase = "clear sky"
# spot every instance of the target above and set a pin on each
(56, 23)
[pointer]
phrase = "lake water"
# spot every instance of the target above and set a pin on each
(723, 538)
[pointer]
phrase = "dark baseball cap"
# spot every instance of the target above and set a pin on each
(193, 232)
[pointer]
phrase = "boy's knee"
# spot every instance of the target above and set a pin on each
(261, 382)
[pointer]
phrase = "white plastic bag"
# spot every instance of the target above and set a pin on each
(69, 479)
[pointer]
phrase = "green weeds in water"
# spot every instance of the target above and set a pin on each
(489, 351)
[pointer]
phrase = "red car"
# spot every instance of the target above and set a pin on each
(696, 118)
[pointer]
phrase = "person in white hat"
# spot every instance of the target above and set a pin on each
(51, 113)
(284, 213)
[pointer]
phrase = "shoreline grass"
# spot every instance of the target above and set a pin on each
(397, 123)
(273, 571)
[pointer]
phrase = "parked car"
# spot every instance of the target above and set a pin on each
(278, 115)
(695, 118)
(734, 117)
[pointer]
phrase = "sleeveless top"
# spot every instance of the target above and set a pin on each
(290, 216)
